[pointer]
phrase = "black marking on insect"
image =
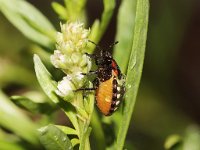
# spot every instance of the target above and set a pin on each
(109, 84)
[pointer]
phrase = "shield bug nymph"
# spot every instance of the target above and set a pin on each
(109, 84)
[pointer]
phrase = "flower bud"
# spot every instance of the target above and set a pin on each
(65, 89)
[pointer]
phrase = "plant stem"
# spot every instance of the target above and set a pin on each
(85, 129)
(98, 131)
(84, 137)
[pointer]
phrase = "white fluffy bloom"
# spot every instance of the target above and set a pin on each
(74, 35)
(65, 89)
(69, 55)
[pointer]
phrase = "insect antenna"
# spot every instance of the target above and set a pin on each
(112, 45)
(97, 46)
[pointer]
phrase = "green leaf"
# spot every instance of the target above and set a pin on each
(125, 28)
(6, 145)
(98, 29)
(28, 104)
(134, 68)
(22, 126)
(45, 79)
(81, 112)
(60, 10)
(109, 6)
(192, 138)
(75, 9)
(10, 71)
(32, 23)
(50, 86)
(93, 35)
(97, 131)
(75, 141)
(67, 130)
(173, 142)
(53, 138)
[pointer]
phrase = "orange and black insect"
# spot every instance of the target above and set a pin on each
(109, 82)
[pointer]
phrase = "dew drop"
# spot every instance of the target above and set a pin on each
(128, 86)
(133, 63)
(56, 138)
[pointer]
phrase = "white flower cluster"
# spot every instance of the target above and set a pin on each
(70, 57)
(70, 49)
(73, 37)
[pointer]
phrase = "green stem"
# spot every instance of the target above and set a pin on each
(84, 137)
(87, 141)
(84, 126)
(98, 131)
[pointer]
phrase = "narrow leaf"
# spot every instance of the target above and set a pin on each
(134, 68)
(67, 130)
(50, 86)
(75, 9)
(10, 71)
(93, 35)
(82, 112)
(7, 145)
(75, 141)
(192, 138)
(99, 29)
(26, 18)
(28, 104)
(125, 27)
(97, 131)
(60, 10)
(23, 126)
(109, 6)
(45, 79)
(173, 142)
(54, 139)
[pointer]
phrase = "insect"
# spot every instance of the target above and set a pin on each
(109, 84)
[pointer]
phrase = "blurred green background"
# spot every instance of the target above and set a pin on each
(169, 95)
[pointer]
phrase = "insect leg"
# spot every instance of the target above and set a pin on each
(85, 89)
(90, 72)
(95, 86)
(90, 55)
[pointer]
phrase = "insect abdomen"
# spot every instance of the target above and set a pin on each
(107, 96)
(104, 95)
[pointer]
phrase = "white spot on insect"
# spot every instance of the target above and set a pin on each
(115, 108)
(118, 88)
(118, 95)
(117, 103)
